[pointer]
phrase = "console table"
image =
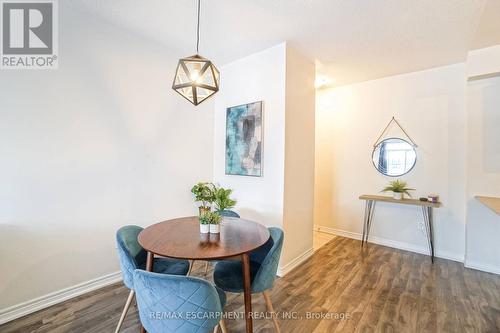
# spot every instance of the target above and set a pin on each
(426, 207)
(492, 203)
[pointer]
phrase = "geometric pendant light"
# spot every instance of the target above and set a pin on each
(196, 78)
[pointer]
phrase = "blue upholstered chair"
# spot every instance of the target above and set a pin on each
(228, 275)
(181, 304)
(229, 213)
(133, 256)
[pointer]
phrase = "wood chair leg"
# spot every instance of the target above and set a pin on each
(270, 308)
(191, 264)
(206, 268)
(222, 325)
(125, 310)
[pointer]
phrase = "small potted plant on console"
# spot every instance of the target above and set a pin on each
(398, 189)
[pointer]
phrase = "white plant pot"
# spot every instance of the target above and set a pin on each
(397, 196)
(204, 228)
(214, 228)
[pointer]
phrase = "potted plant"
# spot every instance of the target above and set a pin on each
(215, 220)
(210, 222)
(204, 193)
(398, 189)
(205, 222)
(222, 199)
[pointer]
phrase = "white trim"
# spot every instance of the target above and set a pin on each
(483, 267)
(391, 243)
(327, 230)
(25, 308)
(283, 270)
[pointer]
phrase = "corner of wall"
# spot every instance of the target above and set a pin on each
(299, 156)
(483, 63)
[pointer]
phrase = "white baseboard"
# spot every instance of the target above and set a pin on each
(328, 230)
(282, 271)
(482, 267)
(45, 301)
(390, 243)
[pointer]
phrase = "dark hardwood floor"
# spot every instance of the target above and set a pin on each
(344, 288)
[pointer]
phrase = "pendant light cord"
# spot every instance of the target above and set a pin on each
(198, 30)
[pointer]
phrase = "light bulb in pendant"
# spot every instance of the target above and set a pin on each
(195, 77)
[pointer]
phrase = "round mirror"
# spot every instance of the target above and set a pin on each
(394, 157)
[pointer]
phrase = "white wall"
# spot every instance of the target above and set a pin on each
(483, 158)
(299, 156)
(483, 62)
(98, 144)
(258, 77)
(430, 105)
(283, 196)
(483, 173)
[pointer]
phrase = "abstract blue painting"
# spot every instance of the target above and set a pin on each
(244, 140)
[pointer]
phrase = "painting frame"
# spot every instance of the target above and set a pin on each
(244, 140)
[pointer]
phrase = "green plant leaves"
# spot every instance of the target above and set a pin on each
(207, 193)
(204, 192)
(222, 199)
(398, 186)
(209, 217)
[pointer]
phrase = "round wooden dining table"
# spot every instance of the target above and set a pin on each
(181, 238)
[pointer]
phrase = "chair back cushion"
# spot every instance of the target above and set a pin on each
(229, 213)
(131, 253)
(268, 256)
(258, 256)
(173, 303)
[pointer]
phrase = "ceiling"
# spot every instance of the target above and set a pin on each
(350, 40)
(488, 30)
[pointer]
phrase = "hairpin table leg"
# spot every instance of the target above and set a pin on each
(369, 211)
(364, 224)
(428, 222)
(370, 218)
